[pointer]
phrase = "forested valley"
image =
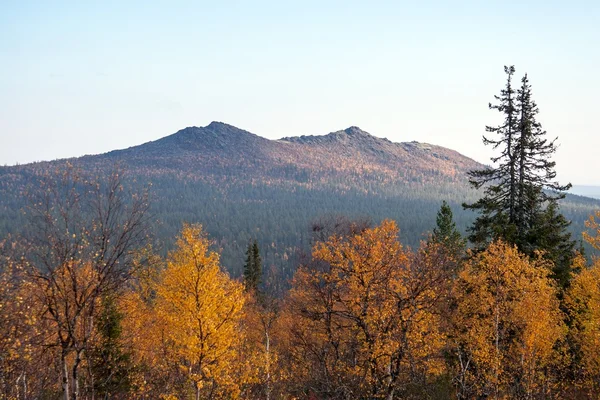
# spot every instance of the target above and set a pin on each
(390, 271)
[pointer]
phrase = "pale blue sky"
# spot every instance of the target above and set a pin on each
(77, 78)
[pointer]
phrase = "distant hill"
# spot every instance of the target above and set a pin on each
(586, 190)
(242, 186)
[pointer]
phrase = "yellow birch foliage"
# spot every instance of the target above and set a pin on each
(194, 323)
(258, 354)
(508, 322)
(582, 301)
(593, 225)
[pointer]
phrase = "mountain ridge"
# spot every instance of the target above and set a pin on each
(220, 135)
(242, 186)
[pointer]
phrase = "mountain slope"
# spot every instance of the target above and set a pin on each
(219, 146)
(242, 186)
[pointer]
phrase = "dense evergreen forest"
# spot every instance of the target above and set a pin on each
(217, 264)
(242, 187)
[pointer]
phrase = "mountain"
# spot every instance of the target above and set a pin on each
(242, 186)
(220, 148)
(587, 191)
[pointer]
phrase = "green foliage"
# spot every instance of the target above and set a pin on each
(445, 232)
(549, 232)
(520, 200)
(253, 268)
(111, 363)
(497, 206)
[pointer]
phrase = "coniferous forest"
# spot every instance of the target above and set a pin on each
(376, 271)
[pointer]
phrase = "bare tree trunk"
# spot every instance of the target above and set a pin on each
(65, 375)
(197, 387)
(92, 384)
(18, 387)
(24, 384)
(462, 392)
(268, 363)
(390, 388)
(497, 343)
(75, 377)
(390, 395)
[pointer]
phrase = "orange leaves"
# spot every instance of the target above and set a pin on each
(361, 317)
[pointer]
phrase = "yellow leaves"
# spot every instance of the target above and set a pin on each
(194, 320)
(582, 301)
(592, 224)
(258, 356)
(507, 317)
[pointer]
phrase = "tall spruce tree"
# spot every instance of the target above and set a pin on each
(497, 207)
(520, 202)
(540, 224)
(253, 267)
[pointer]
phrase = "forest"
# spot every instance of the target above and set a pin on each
(92, 308)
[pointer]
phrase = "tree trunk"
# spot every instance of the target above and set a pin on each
(65, 375)
(390, 395)
(18, 387)
(497, 343)
(390, 384)
(75, 377)
(268, 364)
(92, 384)
(25, 385)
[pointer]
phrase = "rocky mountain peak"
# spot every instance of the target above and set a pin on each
(348, 135)
(356, 131)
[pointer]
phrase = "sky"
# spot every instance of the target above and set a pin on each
(88, 77)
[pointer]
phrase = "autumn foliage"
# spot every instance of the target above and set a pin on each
(364, 318)
(507, 325)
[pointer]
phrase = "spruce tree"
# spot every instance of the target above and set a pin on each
(249, 266)
(253, 267)
(497, 207)
(257, 263)
(536, 170)
(520, 201)
(111, 363)
(445, 232)
(541, 226)
(549, 234)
